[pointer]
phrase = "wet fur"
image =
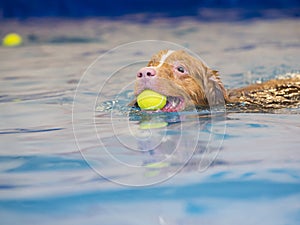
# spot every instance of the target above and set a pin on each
(201, 86)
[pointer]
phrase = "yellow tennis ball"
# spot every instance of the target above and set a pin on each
(11, 40)
(151, 100)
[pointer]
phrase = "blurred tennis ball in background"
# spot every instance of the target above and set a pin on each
(12, 40)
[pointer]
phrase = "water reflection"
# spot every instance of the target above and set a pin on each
(153, 147)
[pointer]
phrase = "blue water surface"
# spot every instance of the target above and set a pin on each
(72, 152)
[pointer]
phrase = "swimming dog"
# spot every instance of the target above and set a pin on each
(187, 82)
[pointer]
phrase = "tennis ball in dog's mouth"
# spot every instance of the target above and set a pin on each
(151, 100)
(11, 40)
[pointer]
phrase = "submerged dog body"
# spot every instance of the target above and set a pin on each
(188, 83)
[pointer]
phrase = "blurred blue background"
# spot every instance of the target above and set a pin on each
(90, 8)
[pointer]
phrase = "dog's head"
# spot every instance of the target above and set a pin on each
(186, 81)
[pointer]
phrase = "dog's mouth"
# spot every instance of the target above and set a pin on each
(174, 104)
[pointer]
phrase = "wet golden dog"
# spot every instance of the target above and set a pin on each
(188, 82)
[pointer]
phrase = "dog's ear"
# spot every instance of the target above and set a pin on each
(210, 89)
(214, 89)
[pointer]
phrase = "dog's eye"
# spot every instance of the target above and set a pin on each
(180, 69)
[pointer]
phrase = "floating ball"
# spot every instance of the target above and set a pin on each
(11, 40)
(151, 100)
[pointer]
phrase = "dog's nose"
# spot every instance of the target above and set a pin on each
(146, 72)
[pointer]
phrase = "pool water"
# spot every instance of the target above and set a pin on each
(72, 152)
